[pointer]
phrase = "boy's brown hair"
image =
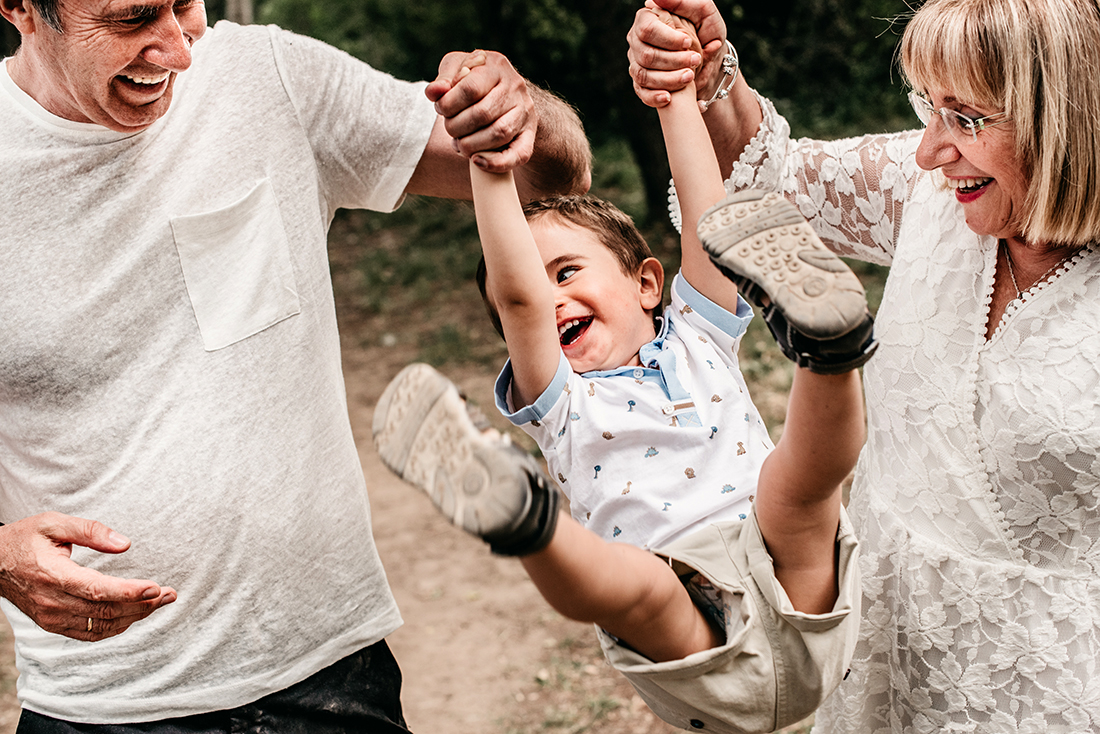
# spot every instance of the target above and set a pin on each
(613, 228)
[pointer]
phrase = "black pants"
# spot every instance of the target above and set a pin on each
(359, 694)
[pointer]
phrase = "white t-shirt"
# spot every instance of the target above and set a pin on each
(649, 454)
(170, 366)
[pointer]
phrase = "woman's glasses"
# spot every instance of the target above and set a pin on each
(962, 128)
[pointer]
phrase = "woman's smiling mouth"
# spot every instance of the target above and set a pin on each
(968, 185)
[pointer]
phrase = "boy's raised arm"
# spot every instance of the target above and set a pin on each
(515, 279)
(698, 182)
(517, 285)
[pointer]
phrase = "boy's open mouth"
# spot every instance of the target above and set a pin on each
(571, 331)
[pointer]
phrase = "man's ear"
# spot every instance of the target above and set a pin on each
(651, 283)
(19, 14)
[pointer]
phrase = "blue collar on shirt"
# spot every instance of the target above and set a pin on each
(658, 365)
(659, 362)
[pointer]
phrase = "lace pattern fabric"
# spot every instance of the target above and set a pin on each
(977, 497)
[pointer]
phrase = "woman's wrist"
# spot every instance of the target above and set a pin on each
(730, 70)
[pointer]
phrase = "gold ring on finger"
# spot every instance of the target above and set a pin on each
(89, 624)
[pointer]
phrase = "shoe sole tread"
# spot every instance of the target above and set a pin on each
(423, 433)
(764, 244)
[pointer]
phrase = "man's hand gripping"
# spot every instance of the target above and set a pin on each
(487, 109)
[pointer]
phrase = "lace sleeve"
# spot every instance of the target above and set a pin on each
(852, 191)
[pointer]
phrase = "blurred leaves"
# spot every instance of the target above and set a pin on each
(827, 64)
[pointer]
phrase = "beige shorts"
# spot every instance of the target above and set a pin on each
(777, 664)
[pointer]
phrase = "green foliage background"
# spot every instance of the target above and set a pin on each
(827, 64)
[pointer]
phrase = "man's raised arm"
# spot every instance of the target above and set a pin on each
(496, 118)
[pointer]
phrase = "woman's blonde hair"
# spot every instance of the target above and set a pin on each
(1039, 61)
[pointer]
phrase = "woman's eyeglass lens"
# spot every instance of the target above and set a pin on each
(962, 128)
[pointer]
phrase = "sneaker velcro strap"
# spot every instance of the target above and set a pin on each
(823, 356)
(536, 527)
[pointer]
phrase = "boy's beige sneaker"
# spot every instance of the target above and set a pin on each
(424, 432)
(813, 303)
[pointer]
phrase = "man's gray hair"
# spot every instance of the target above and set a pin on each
(49, 12)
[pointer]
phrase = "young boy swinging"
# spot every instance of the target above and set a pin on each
(720, 571)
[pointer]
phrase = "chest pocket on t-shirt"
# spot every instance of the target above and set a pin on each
(236, 265)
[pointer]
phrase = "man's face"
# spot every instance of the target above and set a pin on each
(115, 62)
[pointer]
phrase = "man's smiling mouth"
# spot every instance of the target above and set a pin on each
(143, 80)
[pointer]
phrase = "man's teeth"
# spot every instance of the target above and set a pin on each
(967, 183)
(150, 80)
(566, 326)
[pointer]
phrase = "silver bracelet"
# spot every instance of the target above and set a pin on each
(731, 65)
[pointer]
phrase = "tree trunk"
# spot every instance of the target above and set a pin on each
(608, 21)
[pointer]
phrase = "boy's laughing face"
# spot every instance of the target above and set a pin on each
(604, 315)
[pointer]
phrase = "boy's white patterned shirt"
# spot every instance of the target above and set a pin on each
(649, 454)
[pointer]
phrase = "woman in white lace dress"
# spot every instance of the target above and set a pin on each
(977, 497)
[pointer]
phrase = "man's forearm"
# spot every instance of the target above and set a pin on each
(562, 160)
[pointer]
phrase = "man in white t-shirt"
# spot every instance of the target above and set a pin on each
(187, 533)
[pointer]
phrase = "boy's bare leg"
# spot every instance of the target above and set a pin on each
(817, 311)
(631, 593)
(798, 496)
